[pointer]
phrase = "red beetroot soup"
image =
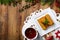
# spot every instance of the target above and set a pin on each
(30, 33)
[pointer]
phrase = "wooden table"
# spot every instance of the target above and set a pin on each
(11, 20)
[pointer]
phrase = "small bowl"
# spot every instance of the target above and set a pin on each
(31, 33)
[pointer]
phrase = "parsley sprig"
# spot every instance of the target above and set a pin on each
(46, 22)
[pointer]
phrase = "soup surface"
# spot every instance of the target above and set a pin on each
(30, 33)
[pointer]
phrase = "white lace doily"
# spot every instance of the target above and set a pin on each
(32, 20)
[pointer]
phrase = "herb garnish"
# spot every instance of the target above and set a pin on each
(46, 21)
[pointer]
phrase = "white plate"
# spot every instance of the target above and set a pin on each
(51, 28)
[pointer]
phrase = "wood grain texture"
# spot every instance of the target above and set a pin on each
(4, 22)
(12, 21)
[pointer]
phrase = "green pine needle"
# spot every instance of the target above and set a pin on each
(43, 2)
(8, 2)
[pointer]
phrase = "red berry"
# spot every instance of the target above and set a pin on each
(50, 38)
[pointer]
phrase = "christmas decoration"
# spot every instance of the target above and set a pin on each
(57, 34)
